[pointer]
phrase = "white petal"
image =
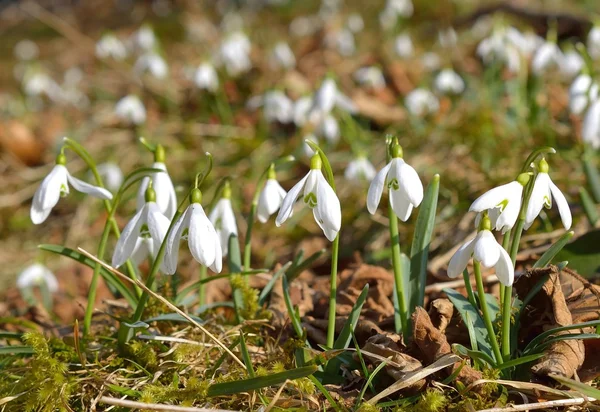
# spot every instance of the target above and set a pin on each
(509, 215)
(562, 204)
(494, 197)
(89, 189)
(165, 192)
(142, 250)
(486, 249)
(158, 225)
(141, 194)
(217, 266)
(269, 200)
(504, 268)
(400, 204)
(169, 264)
(461, 257)
(376, 189)
(287, 206)
(590, 129)
(539, 194)
(201, 236)
(47, 194)
(328, 211)
(410, 183)
(129, 237)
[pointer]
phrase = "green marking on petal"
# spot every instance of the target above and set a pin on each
(310, 200)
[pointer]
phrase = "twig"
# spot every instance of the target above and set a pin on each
(156, 406)
(165, 301)
(540, 405)
(276, 397)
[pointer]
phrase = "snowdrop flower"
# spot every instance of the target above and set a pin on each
(421, 102)
(302, 107)
(593, 42)
(110, 46)
(503, 203)
(304, 26)
(131, 110)
(271, 197)
(56, 185)
(370, 76)
(282, 56)
(144, 233)
(582, 91)
(111, 175)
(405, 189)
(544, 190)
(546, 56)
(151, 63)
(37, 275)
(394, 9)
(197, 229)
(360, 168)
(166, 200)
(278, 107)
(355, 23)
(144, 39)
(37, 83)
(571, 64)
(447, 38)
(403, 46)
(205, 78)
(329, 129)
(590, 130)
(449, 82)
(430, 61)
(318, 195)
(498, 47)
(26, 50)
(342, 41)
(223, 219)
(235, 54)
(326, 98)
(484, 249)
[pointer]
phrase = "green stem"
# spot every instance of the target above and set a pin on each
(248, 238)
(202, 286)
(505, 246)
(397, 265)
(470, 294)
(486, 314)
(333, 292)
(506, 318)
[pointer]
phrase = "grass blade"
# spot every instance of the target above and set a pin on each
(589, 207)
(553, 250)
(542, 337)
(586, 390)
(591, 173)
(17, 349)
(300, 266)
(296, 323)
(267, 289)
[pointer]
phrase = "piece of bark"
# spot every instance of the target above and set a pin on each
(433, 344)
(441, 312)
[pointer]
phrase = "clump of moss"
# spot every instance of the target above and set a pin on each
(367, 407)
(251, 309)
(186, 352)
(143, 353)
(432, 400)
(45, 386)
(192, 390)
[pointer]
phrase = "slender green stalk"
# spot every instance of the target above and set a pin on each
(202, 286)
(397, 265)
(505, 246)
(333, 292)
(506, 319)
(248, 238)
(486, 313)
(470, 294)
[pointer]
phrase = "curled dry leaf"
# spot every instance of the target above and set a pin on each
(433, 345)
(441, 312)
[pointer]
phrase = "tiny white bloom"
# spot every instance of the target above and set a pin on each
(143, 235)
(302, 108)
(593, 42)
(318, 195)
(55, 185)
(143, 39)
(329, 129)
(370, 76)
(270, 198)
(449, 82)
(544, 190)
(197, 229)
(590, 130)
(223, 219)
(26, 50)
(278, 107)
(282, 56)
(403, 46)
(421, 102)
(153, 64)
(582, 92)
(547, 56)
(403, 8)
(112, 176)
(166, 199)
(131, 110)
(484, 249)
(326, 98)
(431, 61)
(571, 64)
(110, 46)
(234, 52)
(405, 189)
(360, 168)
(355, 23)
(36, 275)
(447, 38)
(304, 25)
(206, 78)
(342, 41)
(505, 200)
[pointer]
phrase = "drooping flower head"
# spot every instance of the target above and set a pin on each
(484, 249)
(360, 168)
(223, 219)
(317, 194)
(271, 196)
(37, 275)
(166, 198)
(405, 189)
(131, 110)
(55, 185)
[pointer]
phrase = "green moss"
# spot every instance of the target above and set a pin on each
(251, 309)
(191, 391)
(367, 407)
(143, 353)
(432, 400)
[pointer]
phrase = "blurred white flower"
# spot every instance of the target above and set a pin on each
(329, 129)
(111, 175)
(304, 26)
(449, 82)
(26, 50)
(38, 83)
(234, 52)
(270, 199)
(110, 46)
(166, 199)
(131, 110)
(223, 219)
(499, 47)
(403, 46)
(571, 64)
(317, 194)
(421, 102)
(547, 56)
(593, 42)
(393, 10)
(143, 40)
(302, 107)
(282, 57)
(370, 76)
(35, 276)
(278, 107)
(526, 43)
(206, 78)
(56, 185)
(431, 61)
(590, 130)
(360, 168)
(151, 63)
(447, 38)
(342, 41)
(355, 23)
(582, 91)
(308, 151)
(544, 190)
